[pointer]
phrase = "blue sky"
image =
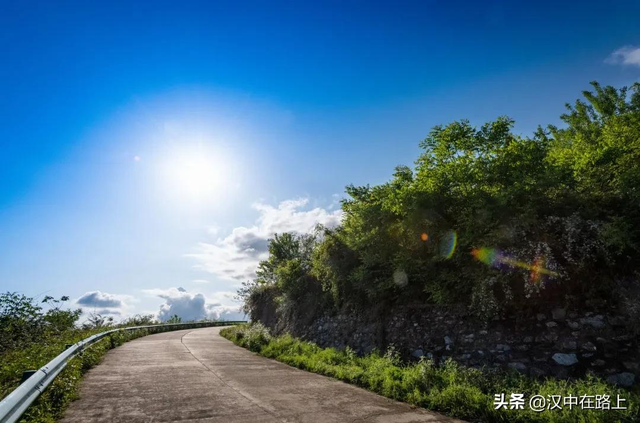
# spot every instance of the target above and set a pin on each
(149, 149)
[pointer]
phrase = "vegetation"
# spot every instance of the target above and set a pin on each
(454, 390)
(30, 337)
(501, 222)
(175, 319)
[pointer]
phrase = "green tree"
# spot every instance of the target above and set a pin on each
(175, 319)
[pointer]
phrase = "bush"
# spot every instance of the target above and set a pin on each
(252, 337)
(559, 212)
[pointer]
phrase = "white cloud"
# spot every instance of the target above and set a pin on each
(104, 303)
(196, 306)
(236, 256)
(627, 55)
(100, 299)
(202, 281)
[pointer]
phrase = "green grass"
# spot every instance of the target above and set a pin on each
(50, 405)
(452, 389)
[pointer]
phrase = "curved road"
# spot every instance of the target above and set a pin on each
(198, 376)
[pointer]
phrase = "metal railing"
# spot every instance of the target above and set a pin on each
(17, 402)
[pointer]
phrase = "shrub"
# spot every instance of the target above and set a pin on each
(560, 208)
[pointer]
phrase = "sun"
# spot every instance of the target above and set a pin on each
(196, 173)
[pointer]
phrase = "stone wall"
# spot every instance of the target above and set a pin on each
(561, 343)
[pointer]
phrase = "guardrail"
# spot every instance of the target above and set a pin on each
(17, 402)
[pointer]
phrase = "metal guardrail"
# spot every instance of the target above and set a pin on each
(16, 403)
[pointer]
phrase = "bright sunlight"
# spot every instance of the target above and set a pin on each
(196, 174)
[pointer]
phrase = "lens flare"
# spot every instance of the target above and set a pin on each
(537, 269)
(492, 257)
(448, 244)
(488, 256)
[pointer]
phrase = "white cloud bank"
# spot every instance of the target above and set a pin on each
(196, 306)
(236, 256)
(104, 303)
(627, 55)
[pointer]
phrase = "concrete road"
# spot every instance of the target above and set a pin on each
(198, 376)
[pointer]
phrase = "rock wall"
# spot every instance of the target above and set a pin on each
(561, 343)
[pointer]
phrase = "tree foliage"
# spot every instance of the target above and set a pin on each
(558, 210)
(23, 321)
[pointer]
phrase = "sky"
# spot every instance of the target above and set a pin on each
(148, 150)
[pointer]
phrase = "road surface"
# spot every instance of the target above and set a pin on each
(198, 376)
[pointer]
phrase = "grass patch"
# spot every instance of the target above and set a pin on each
(452, 389)
(53, 401)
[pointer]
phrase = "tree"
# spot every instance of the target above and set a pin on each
(98, 321)
(175, 319)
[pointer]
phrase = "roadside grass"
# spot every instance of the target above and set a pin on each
(452, 389)
(50, 405)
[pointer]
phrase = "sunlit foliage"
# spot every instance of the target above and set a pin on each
(561, 208)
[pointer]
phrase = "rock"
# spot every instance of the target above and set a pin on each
(625, 379)
(540, 316)
(429, 356)
(573, 325)
(588, 355)
(503, 347)
(540, 358)
(588, 346)
(518, 366)
(558, 313)
(569, 344)
(616, 321)
(565, 359)
(598, 363)
(551, 337)
(448, 340)
(551, 324)
(593, 321)
(417, 353)
(483, 332)
(528, 339)
(629, 365)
